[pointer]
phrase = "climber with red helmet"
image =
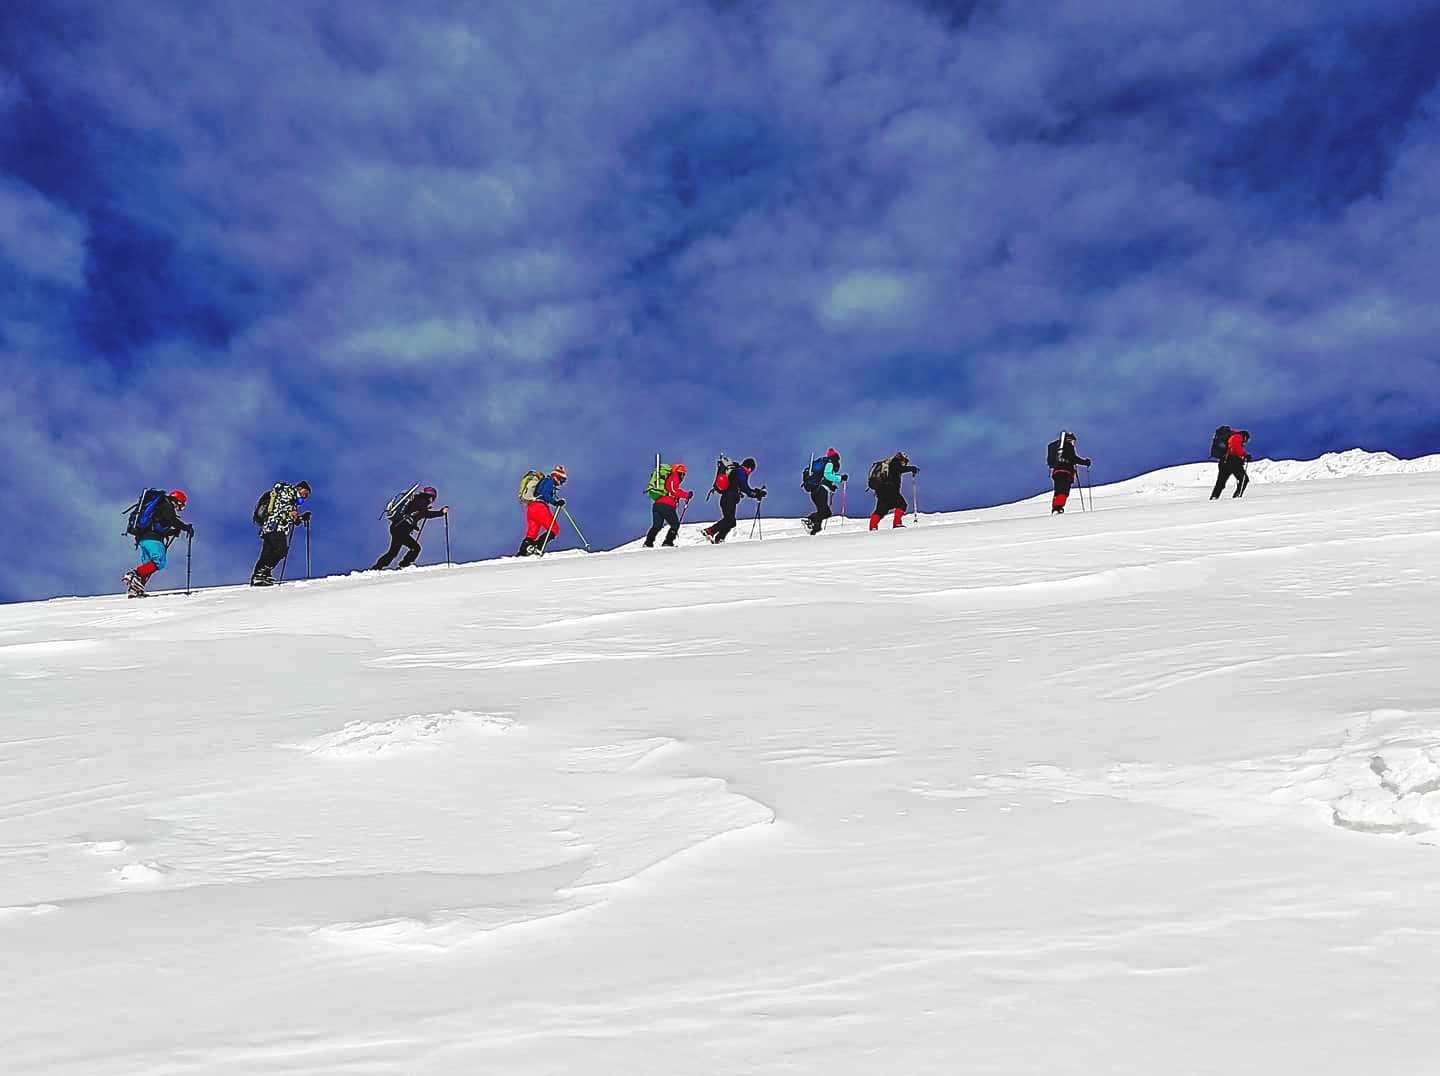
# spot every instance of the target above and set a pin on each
(406, 520)
(155, 522)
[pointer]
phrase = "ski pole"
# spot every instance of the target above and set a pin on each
(578, 531)
(447, 539)
(189, 542)
(285, 564)
(550, 530)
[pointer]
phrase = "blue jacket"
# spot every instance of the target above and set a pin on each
(546, 491)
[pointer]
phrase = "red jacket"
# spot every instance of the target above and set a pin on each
(673, 493)
(1236, 446)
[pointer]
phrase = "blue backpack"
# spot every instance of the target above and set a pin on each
(142, 512)
(812, 477)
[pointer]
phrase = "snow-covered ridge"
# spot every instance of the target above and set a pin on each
(1352, 463)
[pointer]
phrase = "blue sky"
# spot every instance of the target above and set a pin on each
(367, 244)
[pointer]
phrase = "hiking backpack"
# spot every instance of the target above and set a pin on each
(879, 472)
(397, 502)
(528, 482)
(142, 512)
(1053, 458)
(813, 476)
(656, 489)
(1220, 443)
(262, 508)
(723, 466)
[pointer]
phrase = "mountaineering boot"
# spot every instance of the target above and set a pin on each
(262, 578)
(527, 548)
(899, 518)
(708, 535)
(134, 585)
(650, 543)
(1058, 511)
(668, 543)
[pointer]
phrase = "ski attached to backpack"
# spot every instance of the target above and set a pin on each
(398, 502)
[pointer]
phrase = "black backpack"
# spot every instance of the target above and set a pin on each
(1052, 454)
(1219, 444)
(142, 512)
(262, 508)
(879, 472)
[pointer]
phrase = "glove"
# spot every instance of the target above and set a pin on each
(559, 502)
(844, 478)
(190, 529)
(444, 511)
(689, 494)
(305, 518)
(760, 494)
(914, 470)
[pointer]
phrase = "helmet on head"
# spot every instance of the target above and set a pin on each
(902, 457)
(679, 468)
(178, 496)
(559, 473)
(429, 491)
(832, 453)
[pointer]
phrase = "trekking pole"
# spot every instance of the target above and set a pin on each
(1090, 487)
(578, 531)
(844, 490)
(914, 497)
(549, 531)
(756, 525)
(307, 549)
(284, 564)
(189, 542)
(447, 539)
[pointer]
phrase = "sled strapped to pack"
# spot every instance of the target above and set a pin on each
(528, 482)
(142, 512)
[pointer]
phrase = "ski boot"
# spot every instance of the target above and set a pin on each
(134, 585)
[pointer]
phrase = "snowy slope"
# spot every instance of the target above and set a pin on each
(1154, 789)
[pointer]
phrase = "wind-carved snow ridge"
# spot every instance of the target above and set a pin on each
(417, 732)
(1385, 782)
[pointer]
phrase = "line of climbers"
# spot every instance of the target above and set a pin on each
(154, 519)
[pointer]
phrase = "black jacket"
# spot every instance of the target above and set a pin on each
(416, 509)
(894, 475)
(739, 484)
(1065, 454)
(164, 523)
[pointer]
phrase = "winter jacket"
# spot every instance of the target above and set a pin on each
(829, 477)
(416, 509)
(547, 491)
(164, 522)
(284, 509)
(673, 494)
(739, 484)
(1235, 447)
(894, 474)
(1069, 460)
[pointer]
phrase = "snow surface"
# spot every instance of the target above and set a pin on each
(1152, 789)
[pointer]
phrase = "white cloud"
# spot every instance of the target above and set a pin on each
(43, 240)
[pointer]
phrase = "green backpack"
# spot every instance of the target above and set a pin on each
(656, 489)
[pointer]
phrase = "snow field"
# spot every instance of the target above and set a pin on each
(1150, 789)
